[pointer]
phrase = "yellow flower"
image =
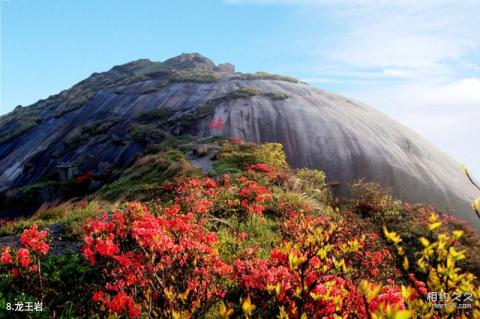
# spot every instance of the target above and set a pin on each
(184, 296)
(476, 204)
(248, 307)
(421, 264)
(224, 312)
(295, 261)
(405, 263)
(283, 314)
(369, 290)
(433, 218)
(457, 255)
(391, 236)
(434, 225)
(424, 241)
(458, 233)
(176, 315)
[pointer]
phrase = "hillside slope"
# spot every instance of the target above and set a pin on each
(106, 121)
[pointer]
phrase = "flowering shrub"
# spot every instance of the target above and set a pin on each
(241, 197)
(271, 154)
(85, 178)
(25, 265)
(166, 265)
(251, 246)
(437, 264)
(313, 272)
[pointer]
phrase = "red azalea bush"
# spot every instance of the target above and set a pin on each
(241, 197)
(313, 273)
(369, 260)
(25, 265)
(85, 178)
(169, 264)
(165, 265)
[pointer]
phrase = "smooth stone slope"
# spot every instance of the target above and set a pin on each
(347, 139)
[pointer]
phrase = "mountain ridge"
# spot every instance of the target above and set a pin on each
(111, 117)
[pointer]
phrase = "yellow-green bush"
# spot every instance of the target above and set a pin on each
(271, 154)
(313, 183)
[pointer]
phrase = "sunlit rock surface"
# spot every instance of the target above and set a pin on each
(347, 139)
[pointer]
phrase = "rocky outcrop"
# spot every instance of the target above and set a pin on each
(144, 103)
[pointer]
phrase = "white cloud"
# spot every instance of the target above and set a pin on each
(416, 60)
(447, 115)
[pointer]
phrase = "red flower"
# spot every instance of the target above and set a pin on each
(173, 246)
(83, 204)
(209, 183)
(89, 254)
(34, 239)
(98, 296)
(106, 247)
(236, 140)
(262, 168)
(6, 258)
(24, 256)
(134, 310)
(242, 236)
(118, 303)
(85, 178)
(15, 272)
(390, 296)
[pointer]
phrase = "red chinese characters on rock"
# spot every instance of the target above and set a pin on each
(216, 123)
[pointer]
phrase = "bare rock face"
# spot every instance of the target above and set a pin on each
(141, 103)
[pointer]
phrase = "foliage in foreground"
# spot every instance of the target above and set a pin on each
(245, 247)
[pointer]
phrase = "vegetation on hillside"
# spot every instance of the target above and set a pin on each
(18, 122)
(255, 239)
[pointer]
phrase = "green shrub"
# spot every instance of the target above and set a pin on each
(261, 232)
(371, 200)
(157, 115)
(18, 122)
(243, 93)
(70, 215)
(236, 155)
(224, 167)
(193, 75)
(100, 126)
(146, 134)
(143, 179)
(277, 95)
(264, 76)
(271, 154)
(313, 183)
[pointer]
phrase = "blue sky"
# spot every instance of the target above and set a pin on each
(416, 60)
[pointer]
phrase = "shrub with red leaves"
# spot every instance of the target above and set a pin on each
(85, 178)
(165, 264)
(25, 264)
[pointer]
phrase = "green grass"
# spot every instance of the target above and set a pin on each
(224, 167)
(157, 115)
(143, 179)
(276, 95)
(76, 139)
(100, 126)
(186, 120)
(193, 75)
(264, 76)
(18, 122)
(72, 216)
(146, 133)
(262, 233)
(243, 93)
